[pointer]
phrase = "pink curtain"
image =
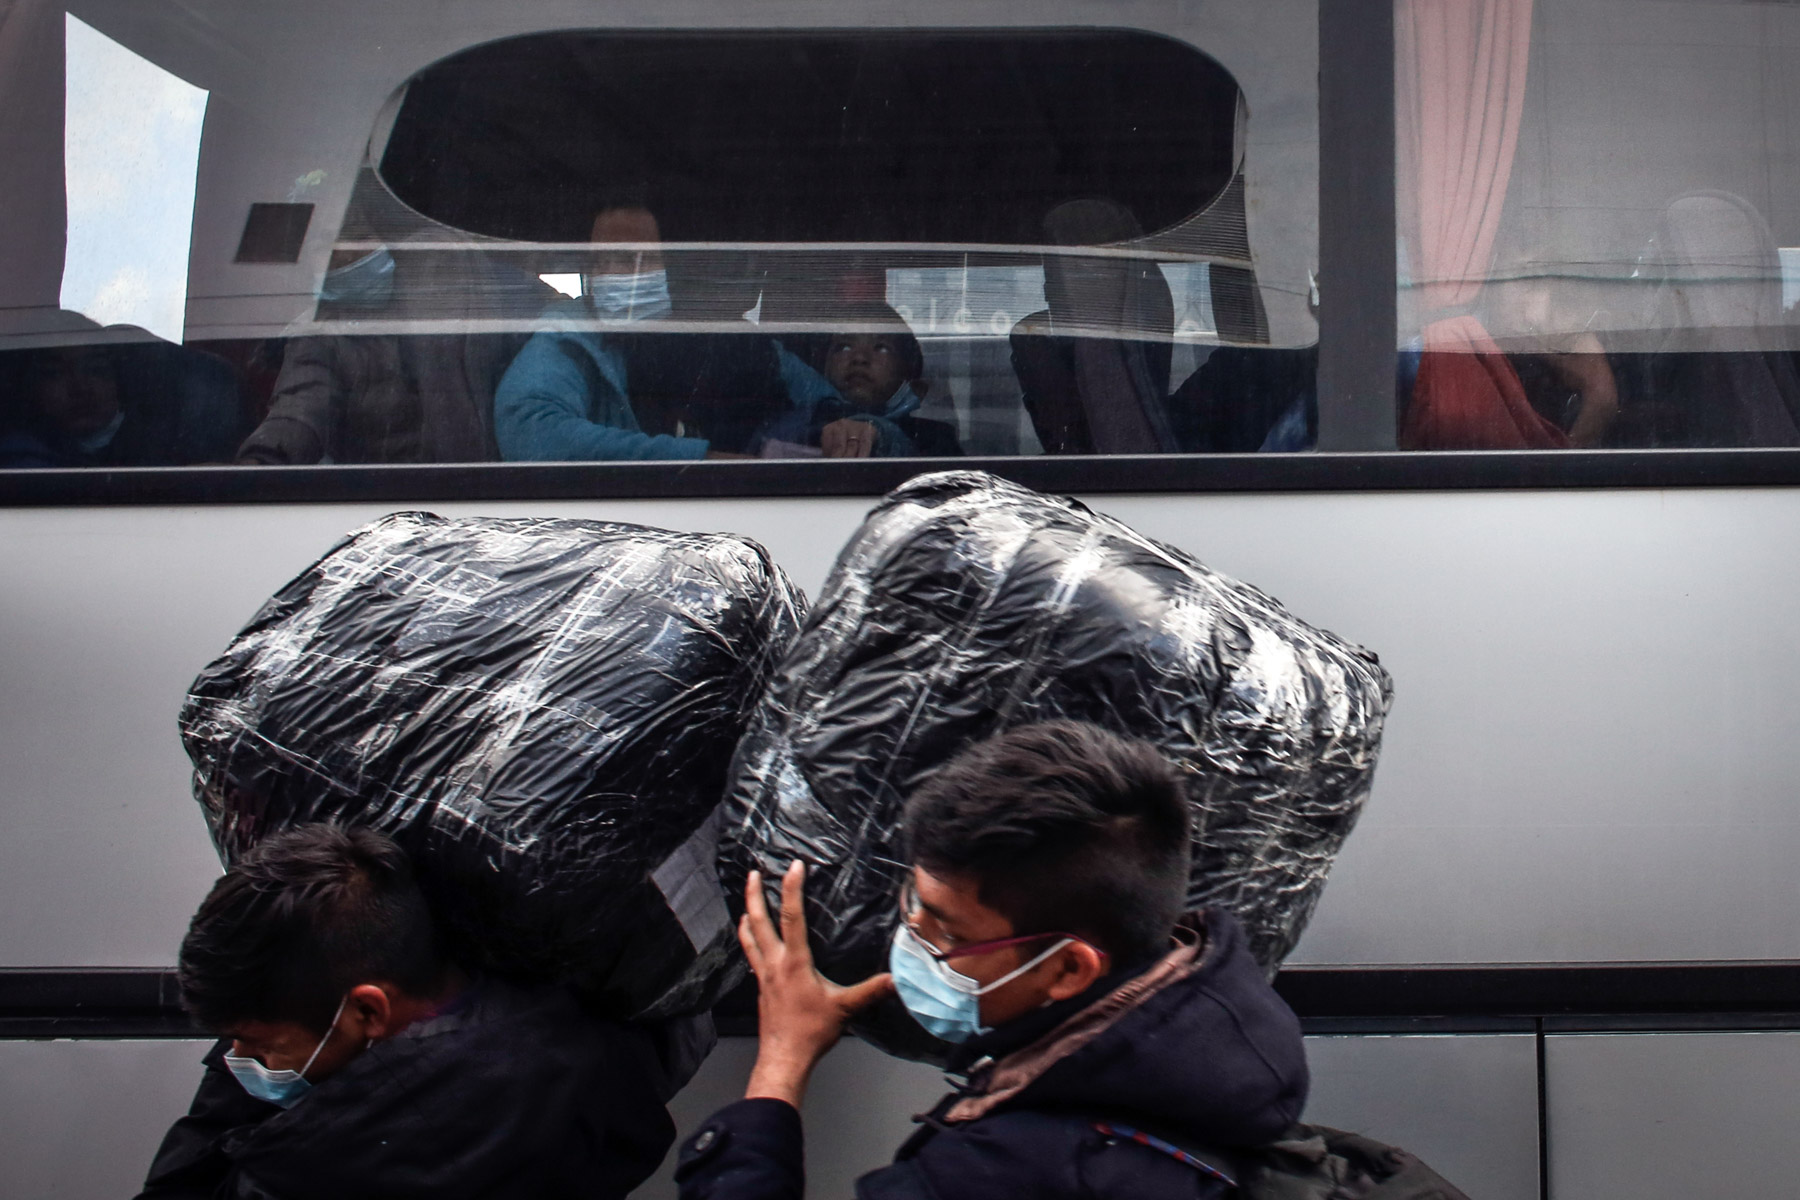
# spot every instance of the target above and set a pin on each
(1460, 90)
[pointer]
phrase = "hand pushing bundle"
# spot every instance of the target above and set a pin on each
(967, 605)
(541, 711)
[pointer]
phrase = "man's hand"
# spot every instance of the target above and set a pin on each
(802, 1013)
(848, 438)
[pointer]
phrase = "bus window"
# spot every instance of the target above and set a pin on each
(609, 245)
(1593, 205)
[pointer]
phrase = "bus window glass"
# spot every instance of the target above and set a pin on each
(421, 237)
(1594, 198)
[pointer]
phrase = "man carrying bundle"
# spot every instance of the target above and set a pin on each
(357, 1060)
(1100, 1031)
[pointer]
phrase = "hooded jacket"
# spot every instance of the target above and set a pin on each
(1197, 1050)
(509, 1093)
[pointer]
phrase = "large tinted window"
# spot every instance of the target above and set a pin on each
(601, 245)
(814, 137)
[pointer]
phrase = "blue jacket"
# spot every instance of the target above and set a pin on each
(1197, 1051)
(567, 398)
(898, 433)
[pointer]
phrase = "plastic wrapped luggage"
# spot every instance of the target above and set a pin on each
(542, 711)
(967, 605)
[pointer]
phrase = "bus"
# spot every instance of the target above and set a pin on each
(1464, 327)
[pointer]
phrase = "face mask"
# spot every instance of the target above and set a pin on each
(635, 297)
(280, 1088)
(366, 283)
(945, 1002)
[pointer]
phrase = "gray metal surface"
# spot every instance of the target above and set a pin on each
(82, 1119)
(1654, 1116)
(1466, 1104)
(1588, 757)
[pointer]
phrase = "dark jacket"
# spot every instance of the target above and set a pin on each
(509, 1093)
(177, 406)
(1197, 1050)
(383, 399)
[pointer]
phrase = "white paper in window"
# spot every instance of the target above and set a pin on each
(131, 147)
(1190, 290)
(965, 301)
(1790, 275)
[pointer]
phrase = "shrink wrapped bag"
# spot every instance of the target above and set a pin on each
(542, 712)
(966, 605)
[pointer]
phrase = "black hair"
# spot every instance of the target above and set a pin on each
(1065, 828)
(299, 921)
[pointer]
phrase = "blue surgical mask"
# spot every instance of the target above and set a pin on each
(946, 1002)
(639, 296)
(366, 283)
(280, 1088)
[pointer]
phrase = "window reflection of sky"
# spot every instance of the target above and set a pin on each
(131, 148)
(989, 301)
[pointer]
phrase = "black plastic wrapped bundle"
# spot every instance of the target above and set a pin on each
(543, 712)
(967, 605)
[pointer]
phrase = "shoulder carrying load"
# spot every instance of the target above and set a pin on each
(967, 605)
(542, 712)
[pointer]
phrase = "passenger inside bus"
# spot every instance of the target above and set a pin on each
(577, 393)
(876, 377)
(388, 398)
(1552, 381)
(117, 404)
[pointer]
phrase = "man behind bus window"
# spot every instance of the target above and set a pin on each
(1042, 934)
(358, 1060)
(596, 386)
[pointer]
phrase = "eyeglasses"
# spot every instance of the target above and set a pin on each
(910, 908)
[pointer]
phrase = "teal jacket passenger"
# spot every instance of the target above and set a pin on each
(567, 398)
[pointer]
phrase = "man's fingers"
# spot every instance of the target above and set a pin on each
(756, 915)
(859, 996)
(752, 951)
(793, 911)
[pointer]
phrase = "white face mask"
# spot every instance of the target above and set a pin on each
(281, 1088)
(637, 296)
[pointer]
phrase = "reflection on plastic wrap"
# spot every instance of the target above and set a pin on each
(967, 605)
(542, 711)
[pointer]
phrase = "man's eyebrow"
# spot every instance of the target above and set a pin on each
(938, 914)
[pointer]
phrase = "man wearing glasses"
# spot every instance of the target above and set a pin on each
(1100, 1031)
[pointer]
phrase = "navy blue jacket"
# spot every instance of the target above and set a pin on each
(512, 1093)
(1197, 1050)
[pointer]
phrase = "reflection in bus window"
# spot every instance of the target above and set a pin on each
(121, 404)
(601, 245)
(1590, 246)
(386, 398)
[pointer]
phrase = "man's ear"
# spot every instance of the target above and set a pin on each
(1078, 965)
(369, 1012)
